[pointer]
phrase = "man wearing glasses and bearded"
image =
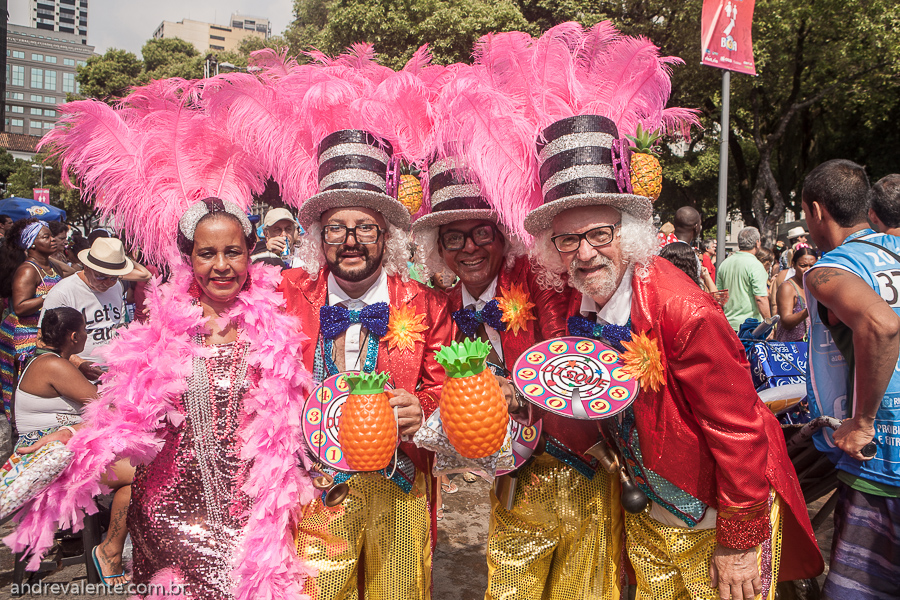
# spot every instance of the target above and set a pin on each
(698, 441)
(363, 313)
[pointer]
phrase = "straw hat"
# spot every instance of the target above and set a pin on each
(107, 256)
(795, 232)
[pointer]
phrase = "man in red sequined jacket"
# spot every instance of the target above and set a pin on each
(353, 275)
(697, 439)
(555, 529)
(710, 452)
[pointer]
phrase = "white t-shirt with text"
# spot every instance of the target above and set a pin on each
(102, 311)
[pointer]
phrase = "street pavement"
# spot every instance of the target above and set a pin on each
(460, 572)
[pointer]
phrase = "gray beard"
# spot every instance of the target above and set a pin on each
(602, 285)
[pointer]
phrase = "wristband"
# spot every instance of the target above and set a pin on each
(69, 428)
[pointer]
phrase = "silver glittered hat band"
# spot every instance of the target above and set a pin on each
(187, 224)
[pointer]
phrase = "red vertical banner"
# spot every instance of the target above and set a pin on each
(725, 35)
(42, 195)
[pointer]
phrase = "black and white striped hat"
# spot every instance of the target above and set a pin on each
(453, 194)
(576, 169)
(353, 171)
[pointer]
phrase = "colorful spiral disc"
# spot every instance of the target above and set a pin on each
(575, 377)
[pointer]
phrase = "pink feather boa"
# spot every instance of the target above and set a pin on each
(149, 366)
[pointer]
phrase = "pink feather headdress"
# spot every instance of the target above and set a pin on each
(283, 111)
(144, 162)
(571, 71)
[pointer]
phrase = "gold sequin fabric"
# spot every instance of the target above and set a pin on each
(562, 540)
(672, 563)
(391, 528)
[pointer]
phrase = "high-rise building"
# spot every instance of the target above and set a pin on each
(40, 70)
(207, 37)
(64, 16)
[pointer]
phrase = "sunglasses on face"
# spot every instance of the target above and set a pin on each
(483, 235)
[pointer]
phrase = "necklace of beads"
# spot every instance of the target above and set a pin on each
(209, 436)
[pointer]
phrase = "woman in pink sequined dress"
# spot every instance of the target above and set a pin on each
(205, 398)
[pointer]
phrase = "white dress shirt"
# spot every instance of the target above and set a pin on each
(486, 296)
(617, 311)
(352, 343)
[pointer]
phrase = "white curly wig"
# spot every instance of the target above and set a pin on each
(639, 246)
(428, 257)
(396, 251)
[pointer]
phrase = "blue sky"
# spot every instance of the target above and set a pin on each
(128, 24)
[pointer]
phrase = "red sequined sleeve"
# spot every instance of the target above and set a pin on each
(707, 362)
(432, 375)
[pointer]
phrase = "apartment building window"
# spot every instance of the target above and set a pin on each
(50, 59)
(49, 80)
(36, 98)
(69, 83)
(38, 57)
(37, 78)
(213, 47)
(15, 96)
(17, 122)
(18, 75)
(66, 29)
(35, 125)
(18, 54)
(81, 63)
(69, 62)
(15, 109)
(36, 112)
(217, 37)
(49, 100)
(49, 113)
(49, 125)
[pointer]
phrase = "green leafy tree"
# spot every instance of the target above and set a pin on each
(171, 57)
(109, 76)
(7, 166)
(397, 29)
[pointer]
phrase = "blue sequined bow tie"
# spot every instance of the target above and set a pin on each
(614, 334)
(334, 320)
(468, 320)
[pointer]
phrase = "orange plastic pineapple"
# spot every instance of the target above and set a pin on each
(367, 429)
(473, 410)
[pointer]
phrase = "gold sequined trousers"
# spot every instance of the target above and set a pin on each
(672, 563)
(561, 541)
(390, 527)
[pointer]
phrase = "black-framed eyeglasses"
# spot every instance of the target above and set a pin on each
(366, 233)
(483, 235)
(596, 237)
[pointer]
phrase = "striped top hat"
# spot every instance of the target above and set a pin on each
(453, 194)
(353, 172)
(577, 168)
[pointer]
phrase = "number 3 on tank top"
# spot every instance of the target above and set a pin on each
(888, 285)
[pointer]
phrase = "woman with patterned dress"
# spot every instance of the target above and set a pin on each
(205, 398)
(27, 276)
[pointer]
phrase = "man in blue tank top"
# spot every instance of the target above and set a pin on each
(853, 295)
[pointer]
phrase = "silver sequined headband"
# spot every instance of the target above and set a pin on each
(187, 224)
